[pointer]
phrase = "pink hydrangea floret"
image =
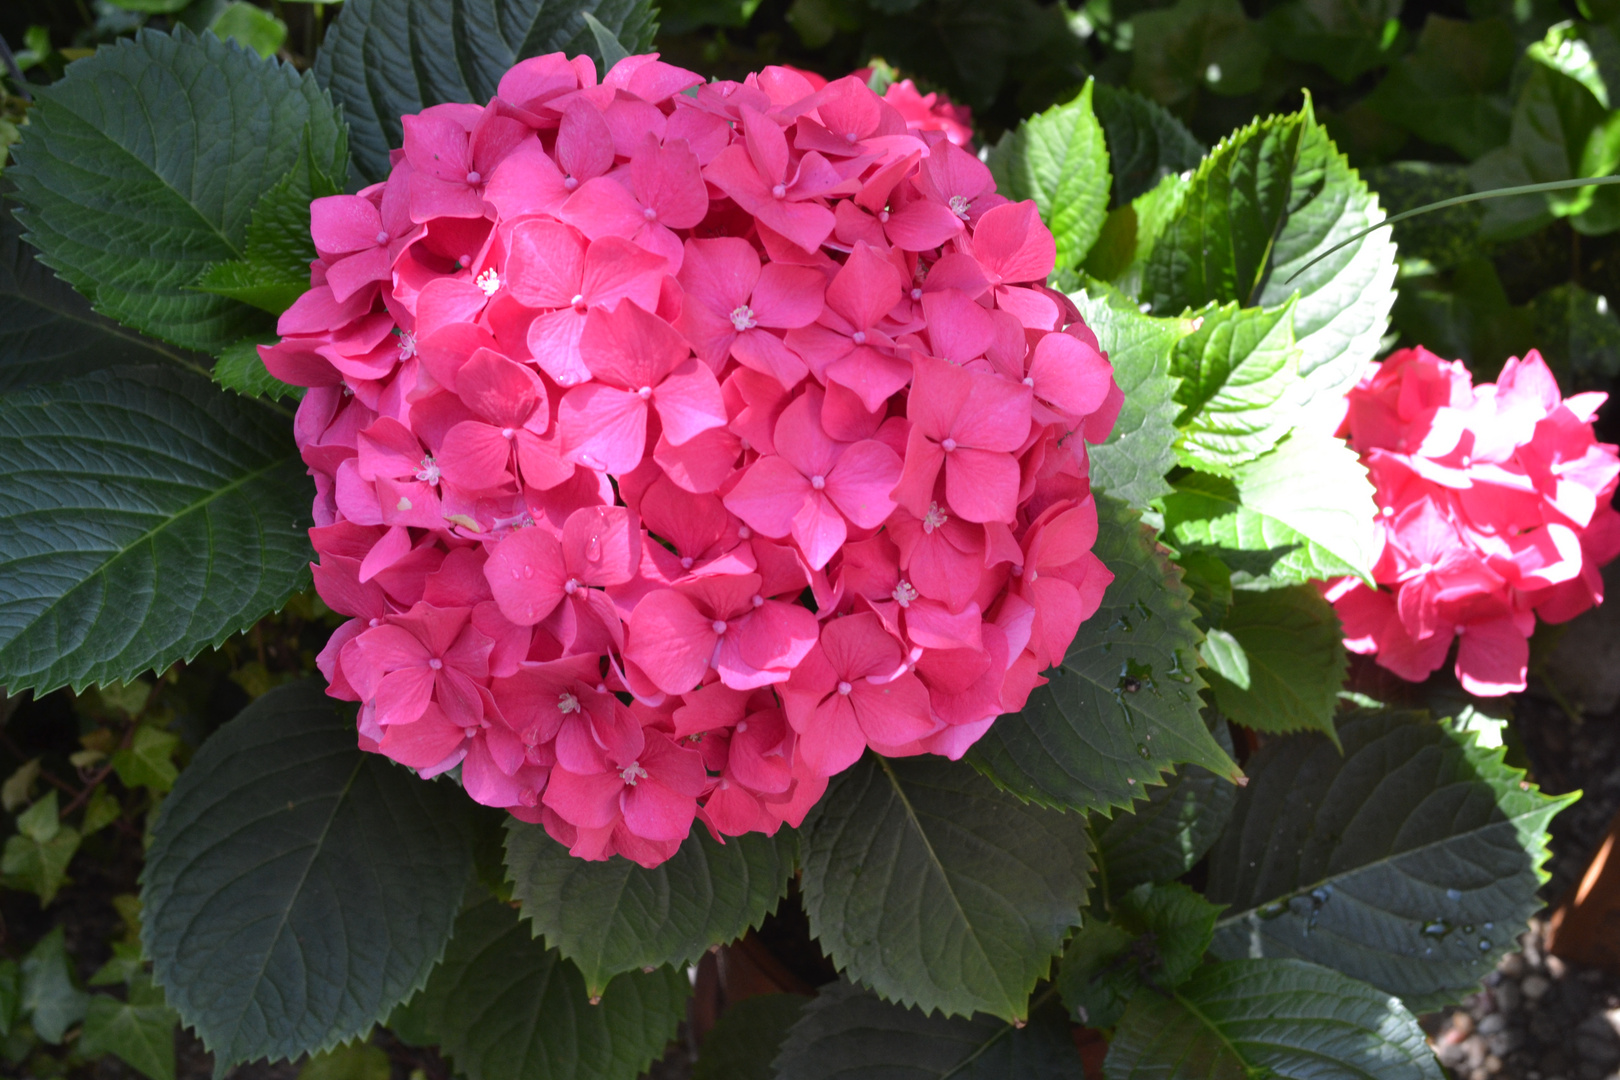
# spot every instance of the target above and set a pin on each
(676, 442)
(1494, 511)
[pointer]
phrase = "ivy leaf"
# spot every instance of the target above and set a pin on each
(1302, 511)
(1274, 1018)
(1446, 90)
(129, 211)
(1155, 936)
(384, 59)
(147, 515)
(139, 1032)
(504, 1007)
(37, 857)
(1060, 159)
(1411, 860)
(614, 916)
(846, 1032)
(1163, 838)
(1295, 659)
(149, 759)
(48, 332)
(927, 884)
(1145, 142)
(296, 888)
(240, 369)
(1130, 465)
(1196, 44)
(51, 1000)
(1235, 370)
(1123, 708)
(1269, 199)
(745, 1040)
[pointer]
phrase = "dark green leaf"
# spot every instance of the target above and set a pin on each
(11, 995)
(1441, 239)
(240, 369)
(297, 888)
(1579, 336)
(1280, 1019)
(613, 916)
(1266, 202)
(1145, 142)
(147, 515)
(1196, 44)
(849, 1034)
(1155, 936)
(504, 1007)
(1163, 838)
(927, 884)
(1131, 464)
(139, 1034)
(1445, 90)
(51, 999)
(1235, 370)
(1301, 512)
(37, 857)
(48, 332)
(129, 210)
(745, 1040)
(1123, 709)
(1060, 160)
(1412, 860)
(1347, 38)
(383, 59)
(1295, 661)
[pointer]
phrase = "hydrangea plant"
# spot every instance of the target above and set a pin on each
(736, 487)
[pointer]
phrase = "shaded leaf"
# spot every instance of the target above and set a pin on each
(1145, 142)
(614, 916)
(139, 1032)
(383, 59)
(37, 857)
(745, 1040)
(130, 211)
(147, 515)
(847, 1033)
(352, 1061)
(1123, 709)
(149, 759)
(1155, 936)
(1196, 45)
(1446, 90)
(297, 888)
(51, 998)
(1411, 861)
(927, 884)
(1295, 661)
(1346, 38)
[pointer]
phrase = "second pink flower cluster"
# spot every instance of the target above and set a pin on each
(676, 442)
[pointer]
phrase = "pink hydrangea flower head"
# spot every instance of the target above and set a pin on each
(676, 443)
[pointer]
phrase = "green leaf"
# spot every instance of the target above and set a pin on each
(1269, 199)
(251, 27)
(1196, 45)
(48, 332)
(1163, 838)
(850, 1034)
(140, 1035)
(1468, 315)
(126, 964)
(37, 857)
(1411, 861)
(1446, 90)
(1130, 465)
(1299, 512)
(149, 759)
(927, 884)
(1346, 38)
(1296, 661)
(1155, 936)
(745, 1040)
(11, 995)
(1123, 709)
(1566, 51)
(383, 59)
(296, 888)
(130, 211)
(51, 1000)
(1269, 1018)
(1235, 369)
(504, 1007)
(240, 369)
(1223, 655)
(351, 1061)
(1060, 159)
(1145, 142)
(102, 810)
(613, 916)
(147, 515)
